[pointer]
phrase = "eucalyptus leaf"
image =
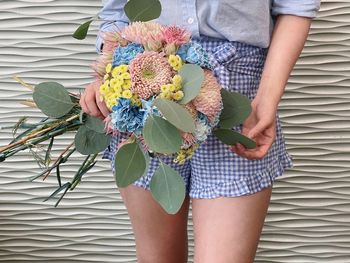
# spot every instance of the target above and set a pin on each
(89, 141)
(237, 108)
(161, 136)
(130, 164)
(176, 114)
(95, 123)
(52, 99)
(142, 10)
(81, 32)
(231, 137)
(192, 79)
(168, 188)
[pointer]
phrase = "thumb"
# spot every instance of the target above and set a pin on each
(258, 128)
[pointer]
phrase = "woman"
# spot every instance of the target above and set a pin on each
(255, 45)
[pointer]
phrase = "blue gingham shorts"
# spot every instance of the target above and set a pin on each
(214, 170)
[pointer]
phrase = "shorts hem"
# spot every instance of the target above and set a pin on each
(245, 186)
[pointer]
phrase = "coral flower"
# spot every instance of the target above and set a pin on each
(175, 35)
(209, 99)
(149, 71)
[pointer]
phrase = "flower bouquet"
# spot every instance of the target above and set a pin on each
(162, 95)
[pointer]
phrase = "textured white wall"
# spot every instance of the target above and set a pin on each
(309, 217)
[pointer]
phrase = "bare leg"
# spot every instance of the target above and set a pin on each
(228, 229)
(160, 237)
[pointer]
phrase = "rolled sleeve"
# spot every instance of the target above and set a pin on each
(306, 8)
(113, 19)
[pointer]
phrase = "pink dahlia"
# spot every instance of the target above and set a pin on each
(209, 101)
(175, 35)
(144, 33)
(149, 71)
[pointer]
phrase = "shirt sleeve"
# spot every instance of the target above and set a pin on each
(306, 8)
(113, 19)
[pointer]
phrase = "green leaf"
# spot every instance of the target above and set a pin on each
(52, 99)
(95, 123)
(192, 79)
(81, 32)
(161, 136)
(130, 164)
(176, 114)
(237, 108)
(90, 142)
(231, 137)
(142, 10)
(168, 188)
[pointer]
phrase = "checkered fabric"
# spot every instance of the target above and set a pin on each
(214, 170)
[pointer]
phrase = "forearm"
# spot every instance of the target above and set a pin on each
(287, 41)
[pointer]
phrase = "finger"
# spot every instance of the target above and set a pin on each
(102, 105)
(91, 104)
(258, 128)
(83, 103)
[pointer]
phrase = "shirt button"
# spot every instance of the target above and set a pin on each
(190, 20)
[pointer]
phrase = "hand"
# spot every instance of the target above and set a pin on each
(259, 126)
(90, 101)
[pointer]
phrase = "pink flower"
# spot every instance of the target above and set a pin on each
(188, 138)
(209, 101)
(149, 71)
(111, 40)
(175, 35)
(144, 33)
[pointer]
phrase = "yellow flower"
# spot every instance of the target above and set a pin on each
(126, 85)
(172, 60)
(123, 68)
(127, 94)
(104, 89)
(177, 66)
(177, 80)
(108, 68)
(126, 75)
(165, 95)
(164, 88)
(171, 87)
(116, 71)
(178, 95)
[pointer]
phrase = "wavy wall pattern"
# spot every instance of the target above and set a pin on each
(309, 216)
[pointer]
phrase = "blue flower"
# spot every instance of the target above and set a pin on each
(123, 55)
(195, 54)
(126, 117)
(148, 108)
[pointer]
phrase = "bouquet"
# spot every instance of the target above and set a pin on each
(162, 95)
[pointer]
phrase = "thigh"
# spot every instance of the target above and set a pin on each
(227, 229)
(160, 237)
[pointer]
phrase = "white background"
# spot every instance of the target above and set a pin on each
(309, 216)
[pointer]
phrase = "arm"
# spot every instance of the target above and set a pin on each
(288, 39)
(113, 19)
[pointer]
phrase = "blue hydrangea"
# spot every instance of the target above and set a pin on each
(148, 108)
(195, 54)
(123, 55)
(126, 117)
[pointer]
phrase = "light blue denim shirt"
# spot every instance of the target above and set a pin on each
(247, 21)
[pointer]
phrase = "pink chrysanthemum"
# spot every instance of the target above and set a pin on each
(99, 66)
(149, 71)
(209, 99)
(175, 35)
(144, 33)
